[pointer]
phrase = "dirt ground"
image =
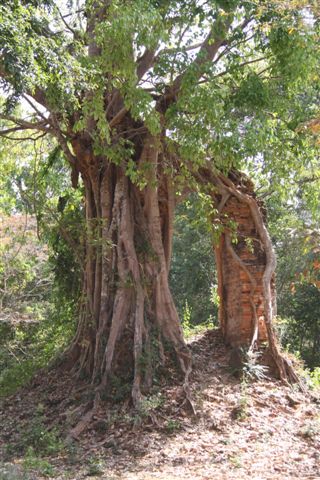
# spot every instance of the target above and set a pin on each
(243, 430)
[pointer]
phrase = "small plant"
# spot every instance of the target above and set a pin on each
(310, 429)
(41, 440)
(146, 408)
(236, 461)
(186, 319)
(249, 244)
(240, 412)
(150, 403)
(226, 441)
(315, 378)
(33, 462)
(120, 389)
(73, 451)
(244, 364)
(251, 370)
(189, 329)
(9, 471)
(95, 467)
(173, 425)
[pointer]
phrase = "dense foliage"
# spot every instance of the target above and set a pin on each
(40, 268)
(296, 236)
(192, 275)
(253, 98)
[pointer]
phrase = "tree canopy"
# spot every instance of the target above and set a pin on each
(227, 80)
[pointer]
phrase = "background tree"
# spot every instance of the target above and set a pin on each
(140, 96)
(193, 274)
(295, 230)
(40, 258)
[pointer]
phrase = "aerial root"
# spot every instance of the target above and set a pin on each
(188, 402)
(185, 358)
(293, 377)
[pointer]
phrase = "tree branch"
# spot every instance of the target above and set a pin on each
(224, 72)
(118, 117)
(145, 62)
(70, 29)
(62, 141)
(206, 54)
(22, 139)
(24, 124)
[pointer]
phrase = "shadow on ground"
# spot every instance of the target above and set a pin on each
(257, 430)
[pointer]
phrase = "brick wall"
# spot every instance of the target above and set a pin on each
(236, 313)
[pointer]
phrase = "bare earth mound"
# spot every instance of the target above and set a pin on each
(261, 430)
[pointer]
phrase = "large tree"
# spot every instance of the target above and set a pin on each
(150, 100)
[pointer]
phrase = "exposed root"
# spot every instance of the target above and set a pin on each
(166, 313)
(86, 419)
(224, 198)
(293, 377)
(226, 188)
(137, 349)
(186, 365)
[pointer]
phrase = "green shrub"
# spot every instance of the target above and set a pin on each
(173, 426)
(37, 437)
(315, 378)
(34, 463)
(95, 467)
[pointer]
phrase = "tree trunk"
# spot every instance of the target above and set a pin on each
(128, 320)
